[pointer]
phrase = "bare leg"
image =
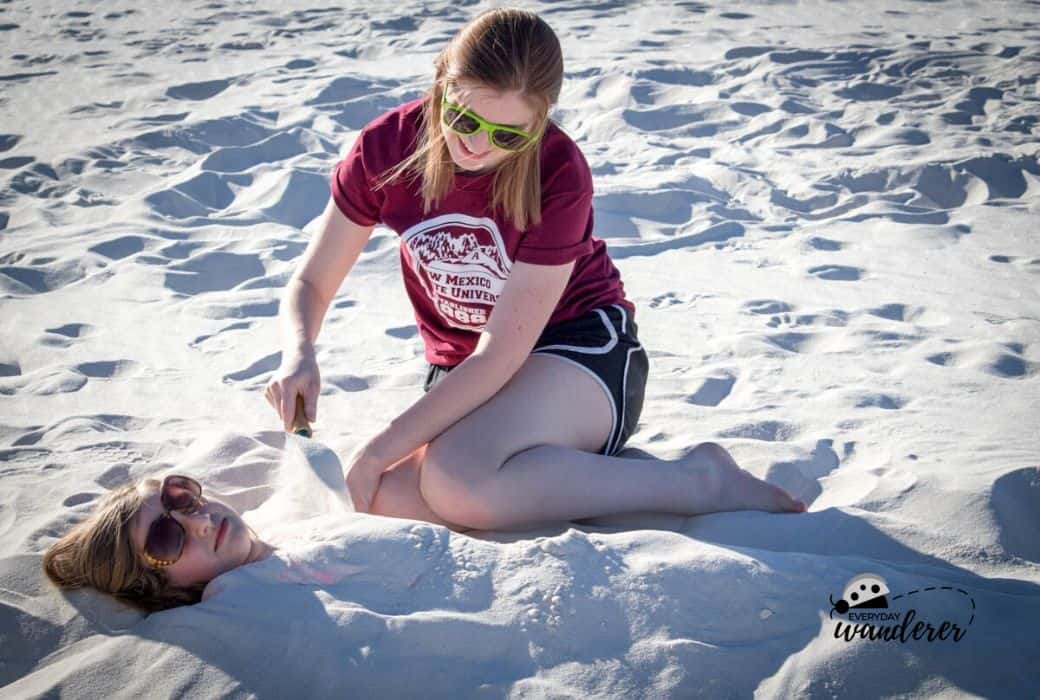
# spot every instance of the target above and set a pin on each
(528, 455)
(549, 483)
(398, 495)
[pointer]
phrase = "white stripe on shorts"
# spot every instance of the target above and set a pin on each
(616, 424)
(592, 351)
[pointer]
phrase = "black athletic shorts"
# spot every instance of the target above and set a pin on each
(604, 343)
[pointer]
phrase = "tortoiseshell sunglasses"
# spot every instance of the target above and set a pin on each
(165, 540)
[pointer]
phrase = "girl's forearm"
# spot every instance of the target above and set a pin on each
(300, 315)
(473, 381)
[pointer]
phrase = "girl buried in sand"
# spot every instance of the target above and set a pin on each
(159, 544)
(536, 374)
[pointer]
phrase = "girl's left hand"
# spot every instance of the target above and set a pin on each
(363, 477)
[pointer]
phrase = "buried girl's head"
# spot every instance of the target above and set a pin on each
(138, 549)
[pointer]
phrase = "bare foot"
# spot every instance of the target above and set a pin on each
(728, 487)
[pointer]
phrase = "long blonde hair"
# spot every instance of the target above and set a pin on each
(504, 49)
(99, 553)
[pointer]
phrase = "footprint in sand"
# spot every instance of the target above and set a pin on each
(25, 281)
(343, 382)
(280, 146)
(713, 390)
(832, 317)
(212, 271)
(224, 338)
(663, 301)
(770, 431)
(1003, 360)
(267, 308)
(40, 180)
(78, 499)
(677, 120)
(114, 477)
(79, 425)
(794, 342)
(200, 343)
(119, 248)
(919, 315)
(106, 369)
(885, 401)
(65, 336)
(21, 460)
(403, 332)
(631, 214)
(808, 205)
(827, 244)
(842, 273)
(1015, 499)
(116, 452)
(9, 141)
(766, 306)
(52, 380)
(264, 365)
(198, 91)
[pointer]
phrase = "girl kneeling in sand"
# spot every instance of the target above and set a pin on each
(536, 374)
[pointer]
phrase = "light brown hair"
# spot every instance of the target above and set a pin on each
(507, 50)
(99, 553)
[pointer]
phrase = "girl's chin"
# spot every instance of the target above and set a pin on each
(469, 165)
(469, 156)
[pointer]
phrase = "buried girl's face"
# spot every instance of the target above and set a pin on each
(216, 539)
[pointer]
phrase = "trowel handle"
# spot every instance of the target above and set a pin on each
(300, 426)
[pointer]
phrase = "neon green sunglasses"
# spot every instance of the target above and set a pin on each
(466, 123)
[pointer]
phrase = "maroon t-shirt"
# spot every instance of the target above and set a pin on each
(456, 259)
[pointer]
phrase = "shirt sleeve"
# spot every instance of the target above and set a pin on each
(351, 185)
(565, 233)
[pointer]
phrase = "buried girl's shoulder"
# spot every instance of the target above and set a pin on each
(269, 569)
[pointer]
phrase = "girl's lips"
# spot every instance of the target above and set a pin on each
(221, 531)
(470, 153)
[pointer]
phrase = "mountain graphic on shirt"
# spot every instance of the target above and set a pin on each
(446, 247)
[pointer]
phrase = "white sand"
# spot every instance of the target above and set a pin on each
(825, 213)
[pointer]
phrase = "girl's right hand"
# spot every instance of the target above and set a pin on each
(298, 374)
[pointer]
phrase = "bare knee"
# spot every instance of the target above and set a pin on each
(398, 496)
(391, 497)
(450, 490)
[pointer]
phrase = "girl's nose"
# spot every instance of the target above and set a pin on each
(478, 143)
(197, 524)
